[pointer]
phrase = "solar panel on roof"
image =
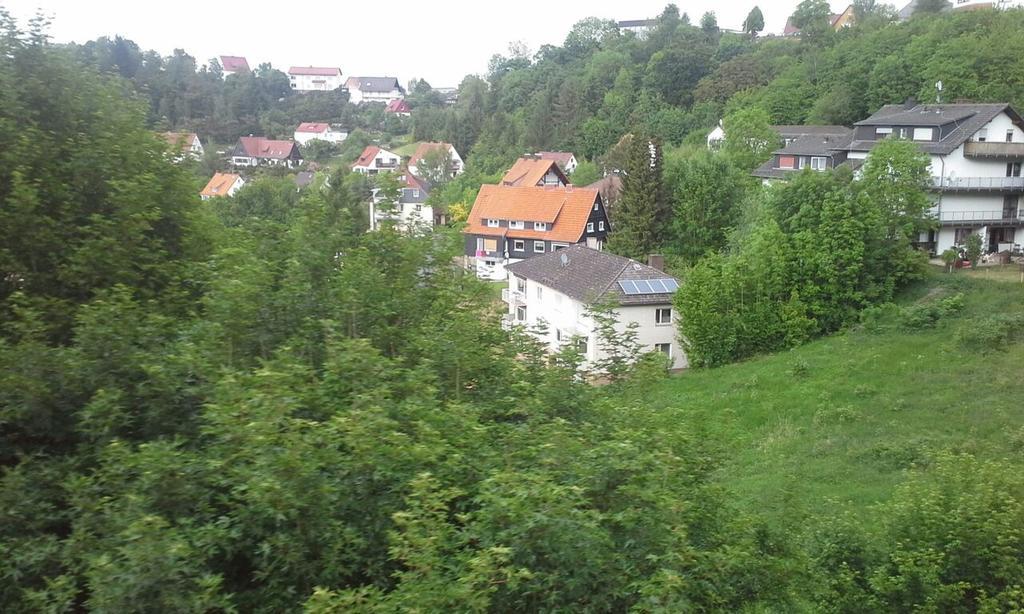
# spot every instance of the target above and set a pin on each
(628, 287)
(643, 286)
(634, 287)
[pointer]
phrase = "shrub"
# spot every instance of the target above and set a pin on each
(988, 334)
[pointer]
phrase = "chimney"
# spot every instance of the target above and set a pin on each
(910, 103)
(656, 261)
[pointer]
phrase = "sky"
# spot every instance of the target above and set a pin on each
(440, 41)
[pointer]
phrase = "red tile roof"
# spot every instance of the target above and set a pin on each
(316, 127)
(259, 147)
(398, 106)
(562, 157)
(530, 171)
(220, 184)
(314, 71)
(424, 148)
(181, 140)
(567, 209)
(234, 63)
(368, 156)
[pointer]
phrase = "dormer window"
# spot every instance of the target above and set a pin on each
(881, 133)
(517, 225)
(492, 223)
(819, 163)
(540, 226)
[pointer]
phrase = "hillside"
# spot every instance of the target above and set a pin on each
(839, 422)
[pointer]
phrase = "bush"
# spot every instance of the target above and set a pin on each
(988, 334)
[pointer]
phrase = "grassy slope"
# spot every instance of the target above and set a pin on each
(837, 422)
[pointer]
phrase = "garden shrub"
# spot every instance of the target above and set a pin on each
(989, 334)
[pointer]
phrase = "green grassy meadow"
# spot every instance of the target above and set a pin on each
(837, 423)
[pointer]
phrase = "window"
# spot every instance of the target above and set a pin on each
(518, 246)
(922, 134)
(490, 245)
(557, 246)
(415, 193)
(1009, 135)
(960, 235)
(520, 314)
(882, 132)
(983, 135)
(819, 163)
(492, 223)
(540, 293)
(590, 227)
(581, 345)
(517, 225)
(664, 348)
(1013, 169)
(787, 162)
(418, 208)
(551, 179)
(541, 226)
(663, 316)
(596, 206)
(538, 247)
(520, 285)
(801, 162)
(600, 225)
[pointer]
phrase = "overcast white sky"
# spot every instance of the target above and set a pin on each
(437, 40)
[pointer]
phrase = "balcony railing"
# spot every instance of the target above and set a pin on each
(978, 184)
(514, 297)
(974, 149)
(981, 217)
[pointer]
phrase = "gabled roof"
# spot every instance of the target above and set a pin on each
(793, 132)
(234, 63)
(398, 106)
(530, 170)
(966, 120)
(610, 187)
(220, 184)
(817, 145)
(314, 71)
(313, 127)
(259, 147)
(424, 148)
(304, 178)
(589, 276)
(562, 157)
(370, 154)
(373, 84)
(636, 23)
(566, 209)
(181, 140)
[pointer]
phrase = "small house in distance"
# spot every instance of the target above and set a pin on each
(222, 184)
(314, 78)
(534, 171)
(259, 151)
(399, 108)
(556, 290)
(423, 149)
(184, 144)
(318, 131)
(374, 89)
(566, 159)
(233, 65)
(375, 160)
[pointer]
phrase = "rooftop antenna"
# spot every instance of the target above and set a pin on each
(938, 92)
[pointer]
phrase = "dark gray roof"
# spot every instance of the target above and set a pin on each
(968, 119)
(793, 132)
(590, 275)
(378, 84)
(768, 171)
(304, 178)
(817, 144)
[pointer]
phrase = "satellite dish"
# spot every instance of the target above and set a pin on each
(565, 259)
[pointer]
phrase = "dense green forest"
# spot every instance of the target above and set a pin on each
(253, 404)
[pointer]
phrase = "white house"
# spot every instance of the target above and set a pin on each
(260, 151)
(976, 153)
(234, 65)
(716, 137)
(374, 160)
(222, 184)
(641, 27)
(457, 165)
(554, 291)
(566, 160)
(374, 89)
(318, 131)
(184, 145)
(314, 78)
(411, 213)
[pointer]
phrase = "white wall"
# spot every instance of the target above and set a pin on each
(562, 313)
(315, 83)
(330, 135)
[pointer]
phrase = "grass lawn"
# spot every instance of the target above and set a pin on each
(1002, 272)
(836, 424)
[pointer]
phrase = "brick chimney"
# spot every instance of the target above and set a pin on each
(656, 261)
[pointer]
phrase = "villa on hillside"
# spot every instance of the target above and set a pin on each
(374, 89)
(566, 159)
(260, 151)
(314, 78)
(222, 184)
(318, 131)
(457, 165)
(184, 145)
(374, 160)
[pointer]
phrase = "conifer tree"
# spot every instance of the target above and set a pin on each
(642, 216)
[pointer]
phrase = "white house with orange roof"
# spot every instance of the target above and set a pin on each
(318, 131)
(375, 160)
(457, 165)
(222, 184)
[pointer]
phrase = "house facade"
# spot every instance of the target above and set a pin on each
(512, 223)
(374, 89)
(314, 78)
(375, 160)
(259, 151)
(399, 108)
(640, 27)
(457, 165)
(411, 213)
(318, 131)
(566, 159)
(818, 152)
(184, 145)
(222, 184)
(555, 291)
(976, 152)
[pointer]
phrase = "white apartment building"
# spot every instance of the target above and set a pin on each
(314, 78)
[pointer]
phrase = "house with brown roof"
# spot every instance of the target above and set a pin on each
(222, 184)
(532, 170)
(260, 151)
(511, 223)
(550, 297)
(233, 65)
(184, 145)
(318, 131)
(375, 160)
(401, 108)
(457, 165)
(566, 159)
(314, 78)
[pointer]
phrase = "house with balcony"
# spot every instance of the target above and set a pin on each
(550, 295)
(819, 151)
(532, 170)
(512, 223)
(375, 160)
(260, 151)
(976, 153)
